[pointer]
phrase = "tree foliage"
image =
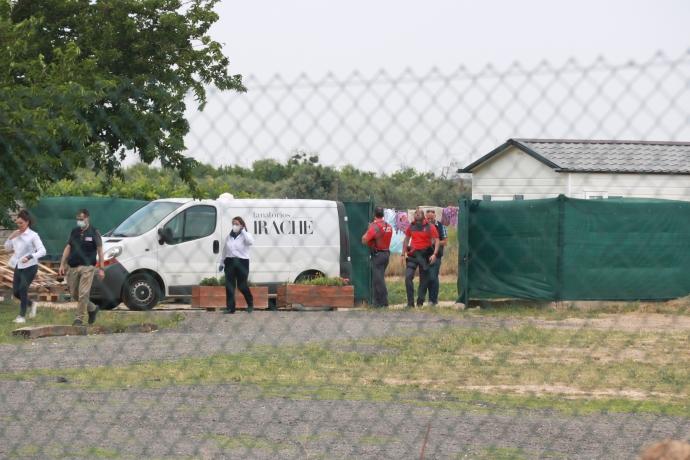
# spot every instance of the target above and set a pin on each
(270, 179)
(83, 83)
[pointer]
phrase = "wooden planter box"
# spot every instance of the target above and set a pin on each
(315, 296)
(214, 297)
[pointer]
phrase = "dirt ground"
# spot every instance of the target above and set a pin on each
(40, 420)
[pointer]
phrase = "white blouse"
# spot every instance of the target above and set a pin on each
(237, 247)
(26, 244)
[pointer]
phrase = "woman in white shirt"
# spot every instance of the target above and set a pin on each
(27, 248)
(234, 260)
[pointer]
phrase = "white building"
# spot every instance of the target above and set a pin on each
(543, 168)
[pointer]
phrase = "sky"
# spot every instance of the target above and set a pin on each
(383, 127)
(265, 37)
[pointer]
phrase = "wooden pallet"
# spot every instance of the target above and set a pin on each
(46, 282)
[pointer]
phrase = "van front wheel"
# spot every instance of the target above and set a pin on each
(308, 275)
(141, 292)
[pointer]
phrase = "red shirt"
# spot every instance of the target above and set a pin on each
(421, 235)
(379, 235)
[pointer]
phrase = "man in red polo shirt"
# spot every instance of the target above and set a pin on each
(422, 252)
(378, 238)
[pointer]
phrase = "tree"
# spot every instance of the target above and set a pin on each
(83, 83)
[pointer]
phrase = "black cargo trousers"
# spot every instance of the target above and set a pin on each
(379, 263)
(419, 258)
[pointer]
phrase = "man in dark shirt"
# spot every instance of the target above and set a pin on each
(83, 253)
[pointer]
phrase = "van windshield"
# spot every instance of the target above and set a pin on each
(145, 218)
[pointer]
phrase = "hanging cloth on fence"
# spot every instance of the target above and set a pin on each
(449, 216)
(402, 222)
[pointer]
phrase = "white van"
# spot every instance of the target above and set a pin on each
(170, 245)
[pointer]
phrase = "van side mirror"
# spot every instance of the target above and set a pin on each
(165, 235)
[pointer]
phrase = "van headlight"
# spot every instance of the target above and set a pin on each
(113, 252)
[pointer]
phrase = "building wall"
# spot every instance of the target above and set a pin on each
(515, 173)
(668, 187)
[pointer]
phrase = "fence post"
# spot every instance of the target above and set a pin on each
(464, 251)
(560, 242)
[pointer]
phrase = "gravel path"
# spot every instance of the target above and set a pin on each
(237, 422)
(38, 420)
(205, 334)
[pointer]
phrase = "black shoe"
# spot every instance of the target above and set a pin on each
(228, 312)
(410, 305)
(420, 303)
(92, 316)
(77, 322)
(250, 308)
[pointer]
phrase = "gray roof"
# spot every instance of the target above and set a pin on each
(641, 157)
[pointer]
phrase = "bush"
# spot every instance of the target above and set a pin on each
(213, 281)
(325, 281)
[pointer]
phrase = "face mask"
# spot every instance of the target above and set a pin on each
(81, 223)
(236, 228)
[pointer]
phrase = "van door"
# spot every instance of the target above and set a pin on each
(193, 251)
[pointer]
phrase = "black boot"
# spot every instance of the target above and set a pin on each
(92, 316)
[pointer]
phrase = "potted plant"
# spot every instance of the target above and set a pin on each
(319, 291)
(210, 294)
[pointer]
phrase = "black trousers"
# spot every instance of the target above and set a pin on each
(236, 274)
(433, 283)
(379, 262)
(419, 259)
(23, 277)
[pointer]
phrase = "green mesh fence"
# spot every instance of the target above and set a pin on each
(572, 249)
(55, 217)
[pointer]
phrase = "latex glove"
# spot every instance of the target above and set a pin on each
(221, 268)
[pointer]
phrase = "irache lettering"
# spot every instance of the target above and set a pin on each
(281, 223)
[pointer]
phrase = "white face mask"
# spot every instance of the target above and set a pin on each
(81, 223)
(236, 228)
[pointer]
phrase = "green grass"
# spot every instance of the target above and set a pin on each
(117, 320)
(495, 453)
(516, 309)
(55, 450)
(448, 291)
(573, 371)
(246, 442)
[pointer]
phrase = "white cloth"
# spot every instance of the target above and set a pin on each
(237, 247)
(28, 243)
(389, 217)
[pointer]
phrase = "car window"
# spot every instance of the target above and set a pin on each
(192, 224)
(200, 221)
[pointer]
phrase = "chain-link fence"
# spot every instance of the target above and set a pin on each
(439, 121)
(326, 366)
